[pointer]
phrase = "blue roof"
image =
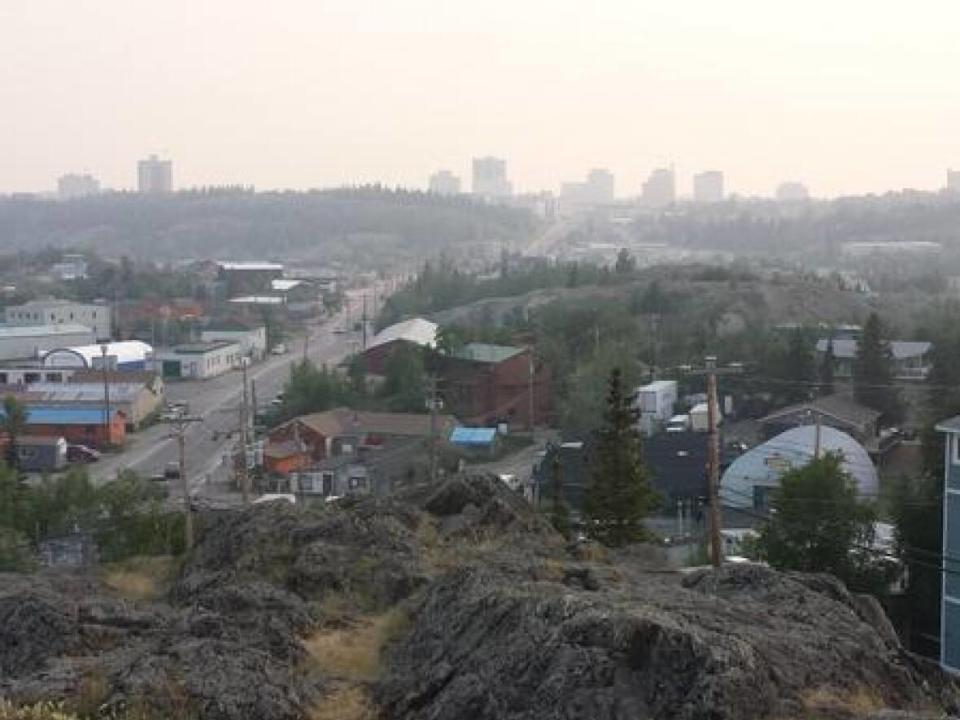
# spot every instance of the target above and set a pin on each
(473, 436)
(63, 416)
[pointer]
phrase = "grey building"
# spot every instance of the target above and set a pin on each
(490, 178)
(30, 342)
(53, 311)
(155, 175)
(36, 453)
(72, 186)
(708, 187)
(660, 189)
(444, 182)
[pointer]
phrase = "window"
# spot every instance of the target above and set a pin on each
(955, 443)
(55, 377)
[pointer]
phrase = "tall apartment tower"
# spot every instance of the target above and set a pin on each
(490, 178)
(154, 175)
(660, 189)
(72, 186)
(792, 191)
(953, 181)
(444, 182)
(708, 187)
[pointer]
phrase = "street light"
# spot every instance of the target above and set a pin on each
(106, 396)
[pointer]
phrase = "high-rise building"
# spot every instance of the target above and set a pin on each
(596, 190)
(708, 187)
(953, 181)
(72, 186)
(444, 182)
(660, 189)
(490, 178)
(155, 175)
(792, 191)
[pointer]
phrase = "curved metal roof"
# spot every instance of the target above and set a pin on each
(125, 352)
(765, 464)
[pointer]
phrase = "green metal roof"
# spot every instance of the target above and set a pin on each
(483, 352)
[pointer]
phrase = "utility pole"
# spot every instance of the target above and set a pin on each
(179, 424)
(532, 405)
(713, 463)
(816, 438)
(106, 397)
(364, 321)
(432, 403)
(244, 476)
(253, 400)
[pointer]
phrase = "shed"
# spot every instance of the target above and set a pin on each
(470, 438)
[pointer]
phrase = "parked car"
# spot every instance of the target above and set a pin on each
(172, 471)
(82, 454)
(279, 349)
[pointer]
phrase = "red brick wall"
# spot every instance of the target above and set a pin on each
(90, 435)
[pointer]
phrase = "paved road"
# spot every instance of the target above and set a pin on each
(217, 403)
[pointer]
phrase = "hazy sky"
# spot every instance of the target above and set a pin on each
(848, 96)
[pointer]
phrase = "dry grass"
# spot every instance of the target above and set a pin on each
(142, 578)
(93, 692)
(345, 703)
(40, 711)
(859, 702)
(353, 653)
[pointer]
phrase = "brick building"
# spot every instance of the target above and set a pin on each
(488, 384)
(416, 332)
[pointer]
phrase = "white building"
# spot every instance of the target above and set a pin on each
(953, 181)
(252, 340)
(444, 182)
(198, 361)
(52, 311)
(71, 267)
(154, 175)
(126, 355)
(708, 187)
(597, 189)
(27, 342)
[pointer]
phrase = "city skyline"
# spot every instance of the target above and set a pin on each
(320, 95)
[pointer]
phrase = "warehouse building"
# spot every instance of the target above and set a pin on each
(83, 426)
(127, 355)
(251, 339)
(198, 361)
(52, 311)
(28, 342)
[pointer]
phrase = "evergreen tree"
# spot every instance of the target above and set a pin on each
(13, 422)
(620, 495)
(873, 373)
(799, 366)
(559, 513)
(827, 367)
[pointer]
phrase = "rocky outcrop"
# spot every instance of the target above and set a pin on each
(744, 642)
(505, 622)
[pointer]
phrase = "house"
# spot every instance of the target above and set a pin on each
(240, 277)
(911, 360)
(285, 457)
(837, 411)
(83, 426)
(950, 600)
(749, 481)
(301, 297)
(198, 361)
(126, 355)
(53, 311)
(417, 332)
(343, 431)
(375, 470)
(252, 339)
(488, 385)
(33, 341)
(37, 453)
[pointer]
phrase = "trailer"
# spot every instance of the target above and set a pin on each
(655, 403)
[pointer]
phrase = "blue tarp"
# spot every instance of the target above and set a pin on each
(473, 436)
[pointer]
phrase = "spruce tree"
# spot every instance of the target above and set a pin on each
(620, 496)
(800, 366)
(873, 373)
(827, 367)
(559, 513)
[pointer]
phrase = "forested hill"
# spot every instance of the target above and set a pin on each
(366, 225)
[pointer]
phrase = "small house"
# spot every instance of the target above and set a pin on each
(36, 453)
